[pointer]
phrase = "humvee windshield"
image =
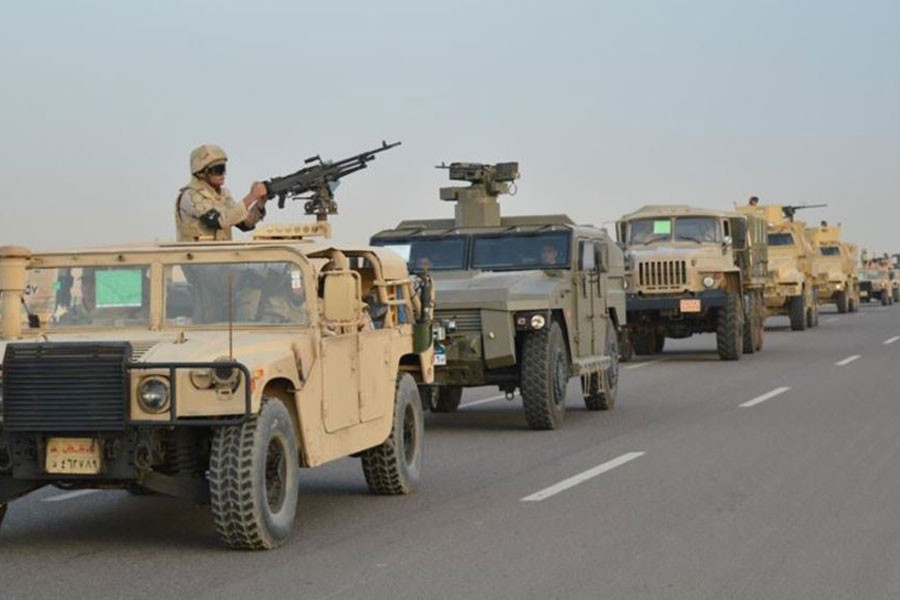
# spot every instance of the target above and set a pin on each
(871, 275)
(521, 251)
(830, 251)
(89, 296)
(260, 293)
(781, 239)
(681, 229)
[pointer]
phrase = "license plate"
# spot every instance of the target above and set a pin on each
(440, 359)
(73, 456)
(691, 305)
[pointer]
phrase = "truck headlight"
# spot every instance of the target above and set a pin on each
(538, 321)
(153, 394)
(709, 281)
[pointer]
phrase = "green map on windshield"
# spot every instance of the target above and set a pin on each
(662, 227)
(119, 287)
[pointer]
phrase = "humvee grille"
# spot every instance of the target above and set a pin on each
(468, 319)
(658, 274)
(75, 387)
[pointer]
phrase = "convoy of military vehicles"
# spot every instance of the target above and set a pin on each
(216, 370)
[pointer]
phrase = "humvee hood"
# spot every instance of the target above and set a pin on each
(516, 290)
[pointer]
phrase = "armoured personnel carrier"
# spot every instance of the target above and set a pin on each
(791, 288)
(835, 268)
(522, 302)
(877, 281)
(213, 371)
(694, 270)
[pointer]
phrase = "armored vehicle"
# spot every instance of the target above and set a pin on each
(694, 270)
(212, 371)
(522, 302)
(835, 268)
(876, 282)
(791, 288)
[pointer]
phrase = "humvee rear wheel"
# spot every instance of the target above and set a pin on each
(798, 312)
(842, 301)
(644, 342)
(544, 376)
(603, 386)
(394, 466)
(446, 399)
(730, 329)
(253, 479)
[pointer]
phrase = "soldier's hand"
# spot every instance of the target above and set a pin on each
(259, 192)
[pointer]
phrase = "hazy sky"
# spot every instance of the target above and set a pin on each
(606, 105)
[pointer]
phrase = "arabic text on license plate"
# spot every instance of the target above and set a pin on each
(440, 359)
(690, 305)
(77, 456)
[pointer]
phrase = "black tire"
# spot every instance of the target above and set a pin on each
(659, 343)
(644, 342)
(544, 375)
(895, 296)
(730, 329)
(253, 479)
(750, 322)
(394, 467)
(603, 387)
(447, 399)
(853, 304)
(626, 349)
(798, 312)
(843, 302)
(885, 298)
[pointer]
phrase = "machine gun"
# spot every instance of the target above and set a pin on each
(320, 181)
(790, 210)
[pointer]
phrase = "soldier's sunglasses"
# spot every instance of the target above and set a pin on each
(216, 169)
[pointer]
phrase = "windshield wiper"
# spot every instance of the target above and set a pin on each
(682, 238)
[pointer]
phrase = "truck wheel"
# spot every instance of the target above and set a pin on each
(750, 322)
(393, 467)
(659, 343)
(798, 312)
(604, 386)
(544, 375)
(644, 343)
(885, 298)
(447, 399)
(842, 301)
(626, 349)
(730, 329)
(253, 479)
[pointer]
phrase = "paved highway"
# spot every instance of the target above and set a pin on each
(775, 477)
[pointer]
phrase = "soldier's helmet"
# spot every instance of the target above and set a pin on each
(206, 155)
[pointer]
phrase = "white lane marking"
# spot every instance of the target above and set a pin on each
(831, 320)
(70, 495)
(847, 360)
(764, 397)
(483, 401)
(582, 477)
(644, 364)
(890, 341)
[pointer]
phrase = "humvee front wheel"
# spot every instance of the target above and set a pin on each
(544, 376)
(394, 466)
(798, 312)
(730, 329)
(603, 386)
(253, 479)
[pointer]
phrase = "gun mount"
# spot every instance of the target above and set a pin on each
(319, 181)
(476, 205)
(790, 210)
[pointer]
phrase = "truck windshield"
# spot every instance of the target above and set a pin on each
(260, 293)
(781, 239)
(830, 251)
(871, 275)
(433, 254)
(89, 296)
(521, 251)
(681, 229)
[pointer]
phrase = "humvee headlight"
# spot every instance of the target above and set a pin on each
(709, 281)
(153, 394)
(538, 321)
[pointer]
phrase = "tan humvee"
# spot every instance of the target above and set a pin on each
(212, 371)
(835, 268)
(694, 270)
(791, 289)
(878, 280)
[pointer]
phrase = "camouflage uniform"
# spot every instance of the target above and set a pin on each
(197, 199)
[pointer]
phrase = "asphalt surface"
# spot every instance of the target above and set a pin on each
(679, 492)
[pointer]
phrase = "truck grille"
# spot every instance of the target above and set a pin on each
(658, 274)
(467, 319)
(75, 387)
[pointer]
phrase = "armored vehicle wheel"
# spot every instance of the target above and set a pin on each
(751, 322)
(394, 466)
(885, 298)
(626, 349)
(798, 312)
(604, 386)
(842, 301)
(253, 479)
(659, 343)
(812, 316)
(544, 376)
(895, 296)
(644, 342)
(446, 399)
(853, 305)
(730, 329)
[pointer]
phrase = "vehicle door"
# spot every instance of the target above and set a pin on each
(602, 320)
(342, 310)
(587, 291)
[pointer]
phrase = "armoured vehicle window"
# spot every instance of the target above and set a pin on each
(830, 251)
(871, 275)
(89, 296)
(682, 229)
(261, 293)
(434, 254)
(518, 252)
(781, 239)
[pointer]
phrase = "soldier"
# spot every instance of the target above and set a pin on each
(753, 201)
(549, 255)
(205, 209)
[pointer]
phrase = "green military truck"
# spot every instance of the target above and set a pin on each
(523, 303)
(694, 270)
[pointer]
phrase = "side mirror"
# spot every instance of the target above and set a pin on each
(727, 240)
